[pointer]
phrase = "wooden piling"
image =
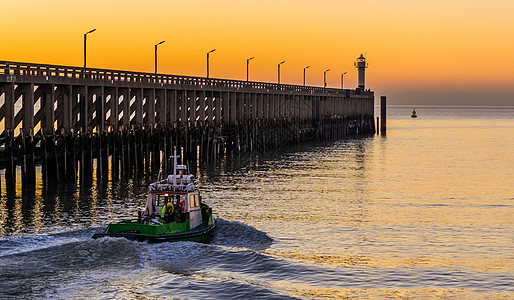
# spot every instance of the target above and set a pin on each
(10, 172)
(383, 114)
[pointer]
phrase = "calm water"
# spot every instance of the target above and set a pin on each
(426, 212)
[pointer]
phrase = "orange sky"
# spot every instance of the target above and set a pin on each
(414, 48)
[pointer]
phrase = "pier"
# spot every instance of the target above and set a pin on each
(67, 119)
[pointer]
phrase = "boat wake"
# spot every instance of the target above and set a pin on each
(231, 242)
(227, 233)
(68, 264)
(22, 244)
(236, 234)
(61, 262)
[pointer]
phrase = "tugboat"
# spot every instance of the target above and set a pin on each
(174, 212)
(413, 114)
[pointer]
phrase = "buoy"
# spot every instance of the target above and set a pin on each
(413, 114)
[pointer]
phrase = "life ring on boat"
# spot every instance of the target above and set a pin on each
(182, 205)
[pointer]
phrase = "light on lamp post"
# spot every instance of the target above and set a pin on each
(279, 70)
(325, 77)
(85, 39)
(156, 55)
(208, 61)
(304, 74)
(247, 66)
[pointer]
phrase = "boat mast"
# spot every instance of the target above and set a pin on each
(174, 166)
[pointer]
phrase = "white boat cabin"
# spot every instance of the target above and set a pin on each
(181, 190)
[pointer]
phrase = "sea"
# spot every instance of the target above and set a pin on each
(423, 212)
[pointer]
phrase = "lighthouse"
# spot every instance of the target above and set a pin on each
(361, 65)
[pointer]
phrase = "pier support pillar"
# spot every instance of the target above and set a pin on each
(8, 108)
(383, 114)
(27, 90)
(48, 100)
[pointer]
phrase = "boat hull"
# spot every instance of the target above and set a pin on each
(197, 234)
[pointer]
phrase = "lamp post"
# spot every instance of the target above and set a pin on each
(208, 61)
(325, 77)
(156, 55)
(304, 74)
(342, 77)
(85, 39)
(279, 70)
(247, 66)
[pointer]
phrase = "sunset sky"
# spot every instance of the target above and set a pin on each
(419, 52)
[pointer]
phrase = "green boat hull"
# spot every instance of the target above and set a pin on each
(154, 233)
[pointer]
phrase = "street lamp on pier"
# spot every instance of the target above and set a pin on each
(208, 61)
(85, 39)
(156, 55)
(342, 77)
(247, 66)
(325, 77)
(304, 74)
(279, 70)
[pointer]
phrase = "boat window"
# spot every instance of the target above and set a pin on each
(161, 199)
(175, 199)
(192, 201)
(197, 200)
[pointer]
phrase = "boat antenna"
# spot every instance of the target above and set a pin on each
(188, 167)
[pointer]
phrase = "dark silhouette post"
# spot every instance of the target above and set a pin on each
(248, 66)
(156, 55)
(342, 79)
(325, 77)
(279, 71)
(85, 42)
(208, 61)
(383, 114)
(304, 74)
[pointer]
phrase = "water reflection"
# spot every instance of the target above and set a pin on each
(3, 213)
(17, 216)
(37, 214)
(428, 205)
(47, 205)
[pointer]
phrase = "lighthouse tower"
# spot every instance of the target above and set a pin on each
(361, 65)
